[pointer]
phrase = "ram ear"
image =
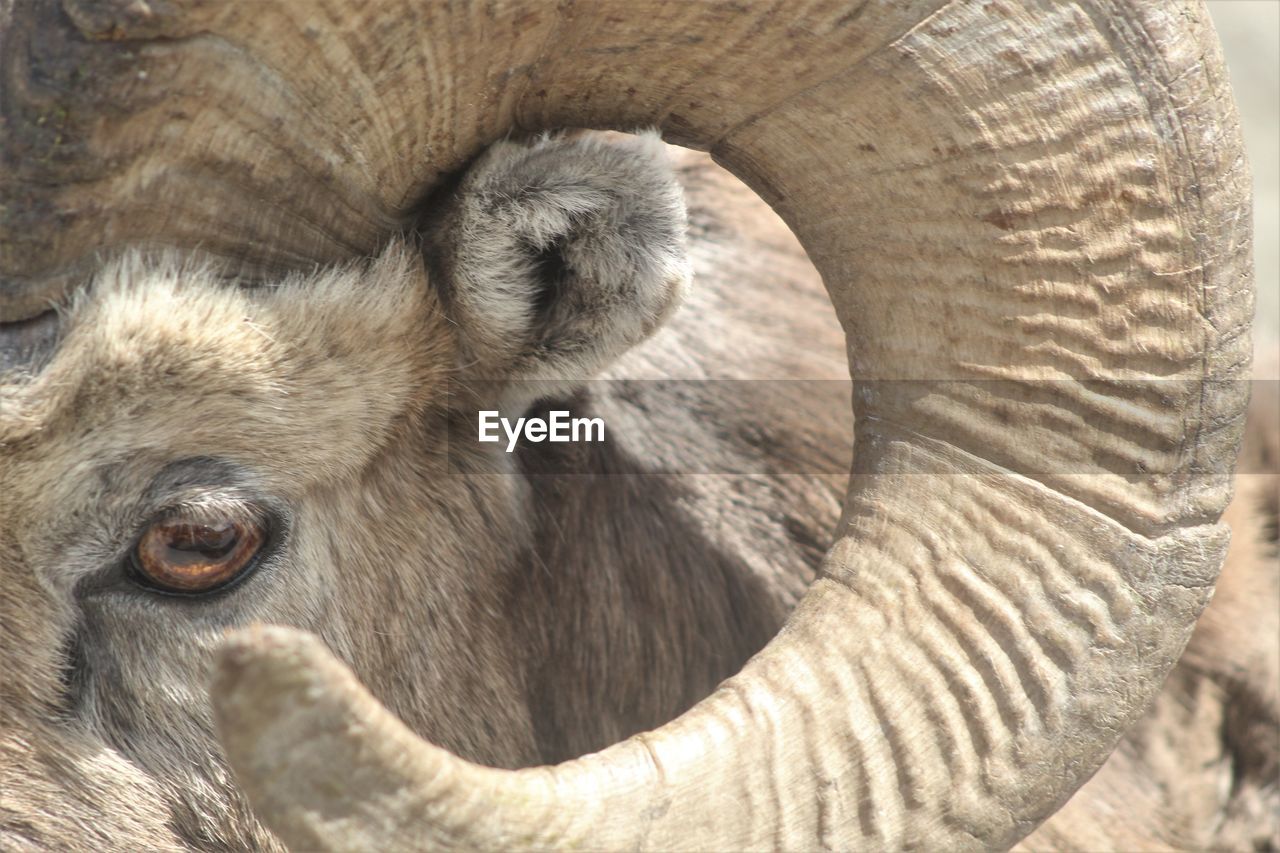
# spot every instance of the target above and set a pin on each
(555, 256)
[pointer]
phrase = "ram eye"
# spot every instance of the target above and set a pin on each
(183, 556)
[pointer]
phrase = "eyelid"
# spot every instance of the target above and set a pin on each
(207, 509)
(203, 507)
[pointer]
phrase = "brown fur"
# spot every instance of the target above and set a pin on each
(510, 615)
(325, 397)
(514, 610)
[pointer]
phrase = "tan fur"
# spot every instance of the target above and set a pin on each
(505, 609)
(327, 395)
(436, 573)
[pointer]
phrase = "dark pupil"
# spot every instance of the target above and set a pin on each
(199, 542)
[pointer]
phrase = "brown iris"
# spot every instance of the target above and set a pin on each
(178, 555)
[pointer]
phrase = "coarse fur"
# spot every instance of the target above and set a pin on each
(172, 388)
(496, 611)
(326, 402)
(533, 217)
(513, 609)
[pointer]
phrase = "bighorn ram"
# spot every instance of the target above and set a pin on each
(1031, 218)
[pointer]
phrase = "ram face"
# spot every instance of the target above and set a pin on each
(291, 248)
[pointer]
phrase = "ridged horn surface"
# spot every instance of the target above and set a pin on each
(1032, 217)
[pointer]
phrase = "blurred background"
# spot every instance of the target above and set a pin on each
(1250, 33)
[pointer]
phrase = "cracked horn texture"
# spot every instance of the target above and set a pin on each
(1032, 218)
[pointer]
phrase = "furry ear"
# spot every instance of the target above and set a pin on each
(553, 257)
